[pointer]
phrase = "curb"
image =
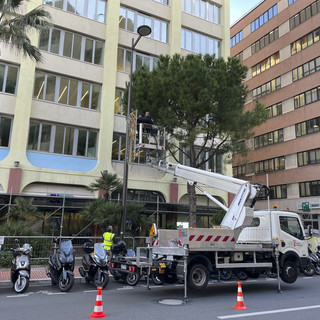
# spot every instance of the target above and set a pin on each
(8, 284)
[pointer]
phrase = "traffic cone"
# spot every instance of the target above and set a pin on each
(98, 308)
(240, 305)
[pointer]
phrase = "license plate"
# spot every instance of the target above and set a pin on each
(124, 267)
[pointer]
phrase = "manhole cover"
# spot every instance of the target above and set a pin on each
(171, 302)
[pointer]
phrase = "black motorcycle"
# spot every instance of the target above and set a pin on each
(20, 270)
(314, 264)
(61, 265)
(95, 264)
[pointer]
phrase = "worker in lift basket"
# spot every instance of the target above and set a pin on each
(108, 239)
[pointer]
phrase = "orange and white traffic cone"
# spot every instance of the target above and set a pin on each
(98, 308)
(240, 305)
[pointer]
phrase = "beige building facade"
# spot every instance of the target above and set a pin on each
(62, 121)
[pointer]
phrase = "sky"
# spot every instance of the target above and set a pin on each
(238, 8)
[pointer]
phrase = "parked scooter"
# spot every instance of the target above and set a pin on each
(20, 270)
(95, 264)
(61, 265)
(313, 265)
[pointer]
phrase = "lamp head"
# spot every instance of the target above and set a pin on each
(144, 30)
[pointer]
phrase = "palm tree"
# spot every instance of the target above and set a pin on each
(14, 26)
(108, 182)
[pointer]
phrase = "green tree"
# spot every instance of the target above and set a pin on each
(14, 26)
(104, 212)
(108, 183)
(23, 210)
(199, 100)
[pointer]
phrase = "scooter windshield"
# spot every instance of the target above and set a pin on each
(66, 247)
(99, 250)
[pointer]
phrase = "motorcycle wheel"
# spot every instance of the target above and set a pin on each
(225, 274)
(309, 270)
(65, 286)
(22, 286)
(103, 281)
(156, 279)
(317, 269)
(241, 275)
(132, 279)
(271, 274)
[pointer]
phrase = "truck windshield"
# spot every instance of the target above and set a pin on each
(292, 226)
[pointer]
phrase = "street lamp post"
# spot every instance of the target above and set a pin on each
(143, 31)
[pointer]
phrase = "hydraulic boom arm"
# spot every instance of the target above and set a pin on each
(241, 206)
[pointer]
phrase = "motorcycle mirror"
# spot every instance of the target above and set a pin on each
(16, 240)
(55, 240)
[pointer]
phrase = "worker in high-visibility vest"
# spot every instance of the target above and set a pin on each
(108, 240)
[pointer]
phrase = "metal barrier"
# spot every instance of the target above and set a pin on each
(43, 245)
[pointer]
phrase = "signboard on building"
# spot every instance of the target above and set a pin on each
(305, 206)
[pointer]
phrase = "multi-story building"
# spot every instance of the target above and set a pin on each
(278, 41)
(62, 121)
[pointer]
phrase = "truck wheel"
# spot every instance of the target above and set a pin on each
(198, 277)
(289, 272)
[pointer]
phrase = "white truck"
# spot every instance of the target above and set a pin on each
(248, 240)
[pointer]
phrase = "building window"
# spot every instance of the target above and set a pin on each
(306, 69)
(307, 127)
(264, 18)
(290, 2)
(118, 105)
(309, 157)
(8, 78)
(91, 9)
(71, 45)
(278, 192)
(66, 91)
(307, 97)
(265, 64)
(61, 139)
(305, 41)
(269, 165)
(200, 43)
(275, 110)
(5, 131)
(309, 189)
(215, 164)
(264, 41)
(304, 14)
(139, 60)
(266, 88)
(202, 9)
(239, 171)
(239, 56)
(130, 20)
(235, 39)
(268, 138)
(163, 1)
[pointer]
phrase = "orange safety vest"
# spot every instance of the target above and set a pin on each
(108, 240)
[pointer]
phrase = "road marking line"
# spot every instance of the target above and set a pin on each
(267, 312)
(125, 288)
(90, 291)
(307, 278)
(18, 295)
(54, 293)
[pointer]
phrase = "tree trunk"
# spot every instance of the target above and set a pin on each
(192, 206)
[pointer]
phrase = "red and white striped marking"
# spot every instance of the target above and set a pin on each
(198, 238)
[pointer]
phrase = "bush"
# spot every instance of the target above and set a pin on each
(5, 259)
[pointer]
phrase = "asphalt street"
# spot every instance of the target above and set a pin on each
(297, 301)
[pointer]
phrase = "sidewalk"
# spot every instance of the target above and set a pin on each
(38, 275)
